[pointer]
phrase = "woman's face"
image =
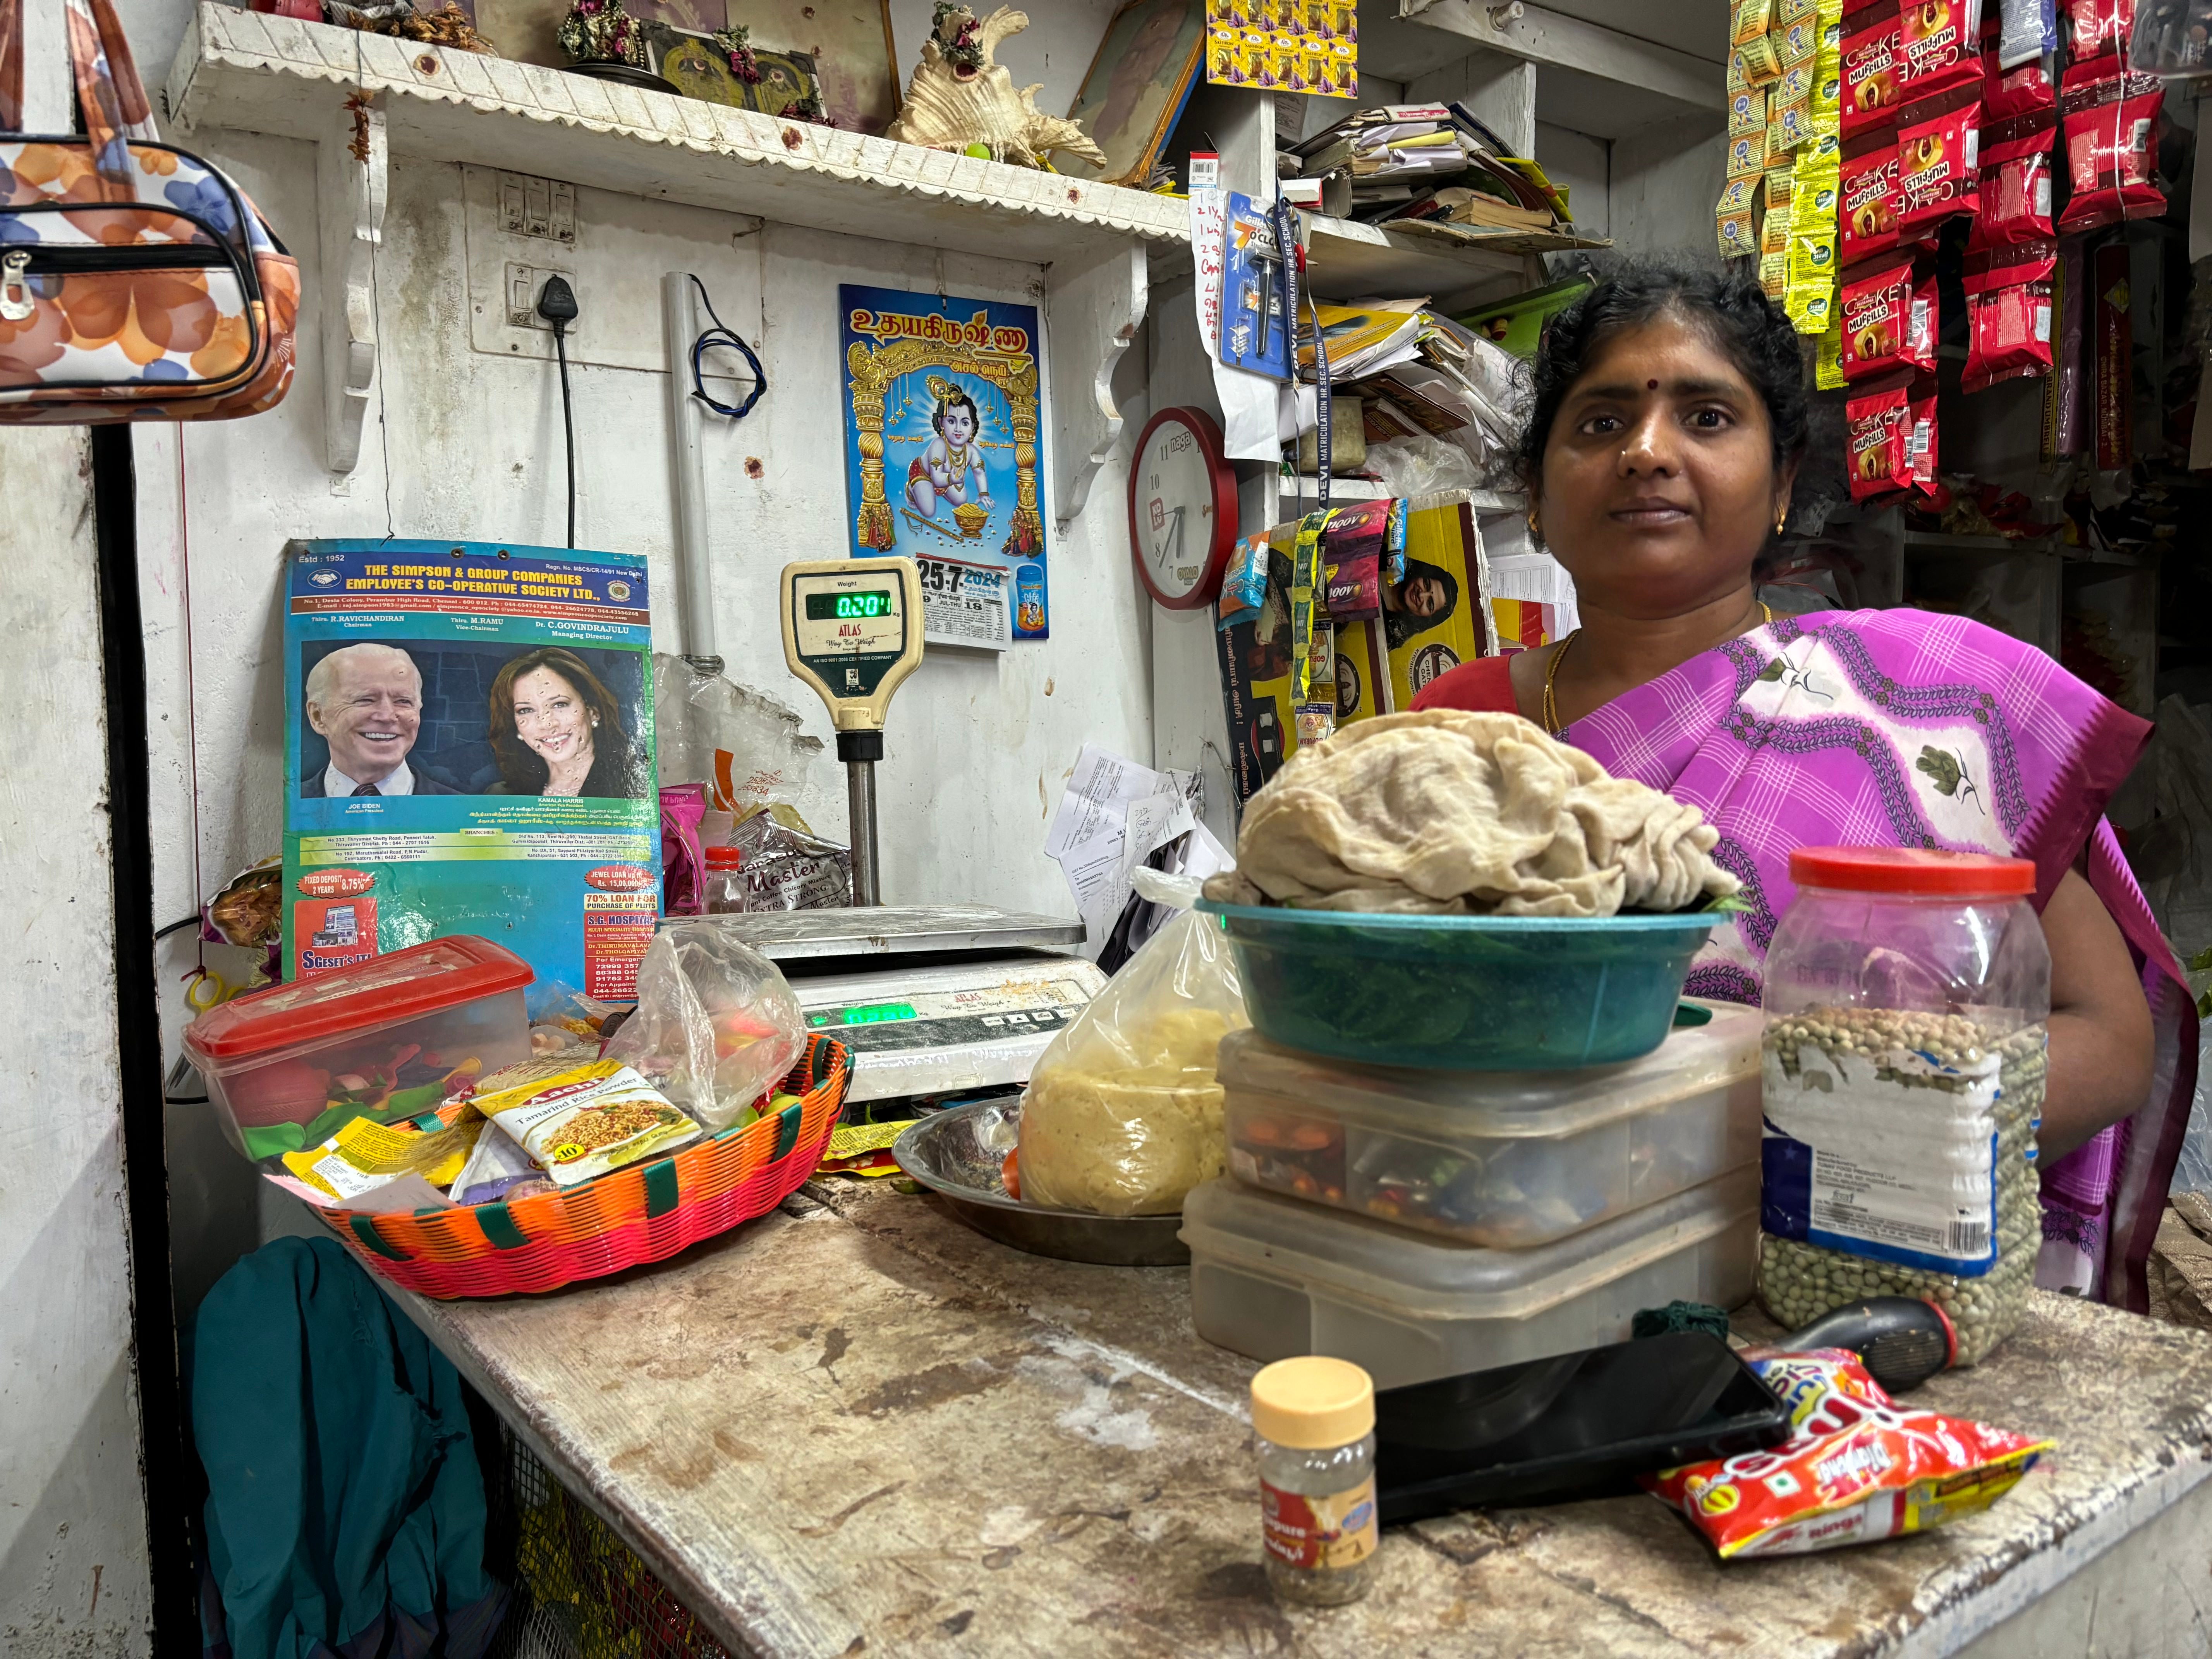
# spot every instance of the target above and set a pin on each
(960, 425)
(1424, 597)
(551, 717)
(1659, 483)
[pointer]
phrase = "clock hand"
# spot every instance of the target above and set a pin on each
(1166, 550)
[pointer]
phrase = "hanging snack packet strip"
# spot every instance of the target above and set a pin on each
(1870, 65)
(1809, 299)
(2111, 124)
(1858, 1467)
(1878, 428)
(1732, 219)
(1938, 166)
(2009, 315)
(1941, 41)
(2015, 188)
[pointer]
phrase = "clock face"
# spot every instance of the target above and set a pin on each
(1181, 509)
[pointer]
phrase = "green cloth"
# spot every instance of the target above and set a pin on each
(345, 1511)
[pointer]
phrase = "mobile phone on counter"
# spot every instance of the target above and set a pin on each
(1576, 1426)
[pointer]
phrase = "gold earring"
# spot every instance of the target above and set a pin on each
(1782, 521)
(1535, 526)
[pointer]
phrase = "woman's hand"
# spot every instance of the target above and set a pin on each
(2100, 1026)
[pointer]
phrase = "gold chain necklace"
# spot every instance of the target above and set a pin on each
(1552, 672)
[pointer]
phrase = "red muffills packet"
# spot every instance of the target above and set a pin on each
(1879, 425)
(1866, 205)
(1871, 62)
(1940, 44)
(1938, 166)
(2015, 188)
(2112, 144)
(1857, 1466)
(2009, 315)
(2099, 27)
(1889, 322)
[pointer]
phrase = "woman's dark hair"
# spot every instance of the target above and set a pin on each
(521, 767)
(1748, 328)
(1399, 626)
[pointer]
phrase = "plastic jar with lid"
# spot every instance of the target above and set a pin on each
(723, 892)
(1314, 1421)
(1907, 999)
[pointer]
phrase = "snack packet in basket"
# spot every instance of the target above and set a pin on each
(1858, 1467)
(579, 1120)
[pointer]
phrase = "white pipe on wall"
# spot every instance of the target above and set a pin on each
(687, 466)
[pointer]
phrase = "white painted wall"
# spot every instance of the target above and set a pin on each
(1666, 179)
(73, 1565)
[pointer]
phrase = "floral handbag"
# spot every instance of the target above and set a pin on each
(136, 281)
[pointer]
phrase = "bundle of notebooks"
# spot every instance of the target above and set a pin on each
(1436, 169)
(1416, 370)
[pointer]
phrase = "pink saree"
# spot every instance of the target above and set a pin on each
(1902, 728)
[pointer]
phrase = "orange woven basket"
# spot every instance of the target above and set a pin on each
(644, 1213)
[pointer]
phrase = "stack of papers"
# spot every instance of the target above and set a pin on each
(1417, 370)
(1114, 815)
(1437, 168)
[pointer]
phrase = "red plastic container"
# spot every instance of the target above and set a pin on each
(383, 1038)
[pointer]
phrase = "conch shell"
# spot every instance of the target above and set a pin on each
(951, 105)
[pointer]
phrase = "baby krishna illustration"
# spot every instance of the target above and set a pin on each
(942, 471)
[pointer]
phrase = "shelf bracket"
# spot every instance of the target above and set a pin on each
(1092, 311)
(352, 175)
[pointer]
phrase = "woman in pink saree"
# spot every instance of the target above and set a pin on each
(1668, 424)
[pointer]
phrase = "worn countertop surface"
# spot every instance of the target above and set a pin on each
(854, 1426)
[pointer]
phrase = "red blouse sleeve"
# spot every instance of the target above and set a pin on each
(1483, 686)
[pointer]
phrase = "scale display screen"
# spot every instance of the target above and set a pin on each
(841, 607)
(874, 1014)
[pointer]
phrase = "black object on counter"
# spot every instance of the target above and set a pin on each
(1901, 1339)
(1577, 1425)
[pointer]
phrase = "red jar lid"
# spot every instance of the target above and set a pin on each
(423, 979)
(1909, 869)
(724, 857)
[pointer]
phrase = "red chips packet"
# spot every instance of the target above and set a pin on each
(1879, 428)
(1938, 165)
(1940, 44)
(2112, 148)
(2015, 187)
(2098, 26)
(2009, 93)
(1867, 205)
(1871, 65)
(1858, 1467)
(2009, 315)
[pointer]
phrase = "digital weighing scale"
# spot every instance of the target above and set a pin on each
(933, 1000)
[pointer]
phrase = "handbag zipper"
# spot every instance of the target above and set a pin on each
(18, 263)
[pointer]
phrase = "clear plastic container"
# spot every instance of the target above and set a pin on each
(723, 892)
(1478, 994)
(1907, 999)
(382, 1038)
(1271, 1278)
(1509, 1159)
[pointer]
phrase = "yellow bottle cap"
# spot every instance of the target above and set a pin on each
(1312, 1404)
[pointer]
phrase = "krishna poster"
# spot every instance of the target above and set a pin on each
(943, 455)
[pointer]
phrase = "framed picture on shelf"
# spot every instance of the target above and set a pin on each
(698, 68)
(848, 44)
(1138, 85)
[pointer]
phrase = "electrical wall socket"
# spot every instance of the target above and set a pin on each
(525, 282)
(537, 207)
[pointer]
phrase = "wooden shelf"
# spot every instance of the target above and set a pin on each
(1348, 259)
(257, 72)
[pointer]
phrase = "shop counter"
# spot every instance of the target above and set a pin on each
(854, 1426)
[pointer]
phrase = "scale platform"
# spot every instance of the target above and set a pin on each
(932, 999)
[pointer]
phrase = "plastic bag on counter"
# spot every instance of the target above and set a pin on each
(1123, 1115)
(716, 1025)
(563, 1019)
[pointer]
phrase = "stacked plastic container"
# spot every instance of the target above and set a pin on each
(1425, 1223)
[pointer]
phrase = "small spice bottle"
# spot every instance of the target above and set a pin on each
(723, 892)
(1314, 1422)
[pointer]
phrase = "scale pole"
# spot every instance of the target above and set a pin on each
(861, 750)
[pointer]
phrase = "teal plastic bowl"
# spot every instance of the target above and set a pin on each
(1476, 994)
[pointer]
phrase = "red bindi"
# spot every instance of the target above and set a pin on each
(1652, 384)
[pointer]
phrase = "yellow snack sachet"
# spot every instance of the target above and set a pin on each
(1810, 307)
(363, 1155)
(1774, 274)
(1738, 241)
(1746, 111)
(1738, 196)
(1750, 21)
(1781, 187)
(1747, 156)
(1774, 230)
(1762, 63)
